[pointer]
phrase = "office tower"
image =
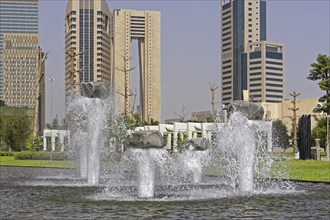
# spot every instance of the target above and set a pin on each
(143, 26)
(87, 43)
(242, 22)
(20, 66)
(16, 17)
(265, 71)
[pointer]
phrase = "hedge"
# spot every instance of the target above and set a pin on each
(60, 156)
(6, 153)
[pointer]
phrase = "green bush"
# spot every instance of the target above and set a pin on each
(6, 153)
(28, 155)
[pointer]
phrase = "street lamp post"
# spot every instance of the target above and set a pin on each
(51, 113)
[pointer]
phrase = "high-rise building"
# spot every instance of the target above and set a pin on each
(20, 66)
(17, 17)
(242, 22)
(265, 71)
(87, 36)
(143, 26)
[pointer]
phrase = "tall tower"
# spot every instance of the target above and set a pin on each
(18, 17)
(242, 22)
(265, 71)
(87, 34)
(143, 26)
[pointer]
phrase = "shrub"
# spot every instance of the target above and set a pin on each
(6, 153)
(41, 156)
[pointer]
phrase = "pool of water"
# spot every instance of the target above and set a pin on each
(70, 198)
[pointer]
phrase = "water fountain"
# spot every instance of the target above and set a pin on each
(194, 157)
(89, 114)
(143, 143)
(235, 163)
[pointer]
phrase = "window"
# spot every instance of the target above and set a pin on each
(274, 90)
(255, 90)
(255, 79)
(275, 80)
(255, 62)
(273, 74)
(274, 96)
(274, 85)
(274, 68)
(272, 62)
(255, 68)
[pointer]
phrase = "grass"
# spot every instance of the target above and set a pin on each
(304, 170)
(10, 161)
(309, 170)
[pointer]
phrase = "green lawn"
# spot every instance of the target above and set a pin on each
(309, 170)
(10, 161)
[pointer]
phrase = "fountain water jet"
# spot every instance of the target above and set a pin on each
(89, 115)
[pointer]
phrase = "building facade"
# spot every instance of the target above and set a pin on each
(242, 22)
(87, 36)
(143, 26)
(16, 17)
(265, 71)
(20, 66)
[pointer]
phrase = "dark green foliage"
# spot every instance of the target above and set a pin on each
(35, 143)
(182, 141)
(27, 155)
(15, 131)
(320, 131)
(280, 134)
(321, 72)
(6, 153)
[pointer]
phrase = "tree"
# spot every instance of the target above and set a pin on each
(55, 124)
(280, 134)
(320, 131)
(321, 72)
(16, 131)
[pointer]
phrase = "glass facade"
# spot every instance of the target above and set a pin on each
(238, 50)
(86, 43)
(17, 17)
(263, 24)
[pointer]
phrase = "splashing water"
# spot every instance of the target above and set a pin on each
(88, 119)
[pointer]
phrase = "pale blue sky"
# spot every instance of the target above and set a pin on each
(191, 47)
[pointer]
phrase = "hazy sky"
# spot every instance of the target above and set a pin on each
(190, 56)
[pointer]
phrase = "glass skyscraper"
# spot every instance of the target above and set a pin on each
(16, 17)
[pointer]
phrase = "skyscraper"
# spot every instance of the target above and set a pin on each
(87, 35)
(265, 71)
(20, 66)
(144, 27)
(17, 17)
(242, 22)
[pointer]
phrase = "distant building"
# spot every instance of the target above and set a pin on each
(17, 17)
(19, 56)
(87, 31)
(20, 66)
(280, 111)
(202, 116)
(264, 68)
(242, 22)
(144, 27)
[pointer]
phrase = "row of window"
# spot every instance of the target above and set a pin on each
(274, 63)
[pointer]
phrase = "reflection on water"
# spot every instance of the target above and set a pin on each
(26, 201)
